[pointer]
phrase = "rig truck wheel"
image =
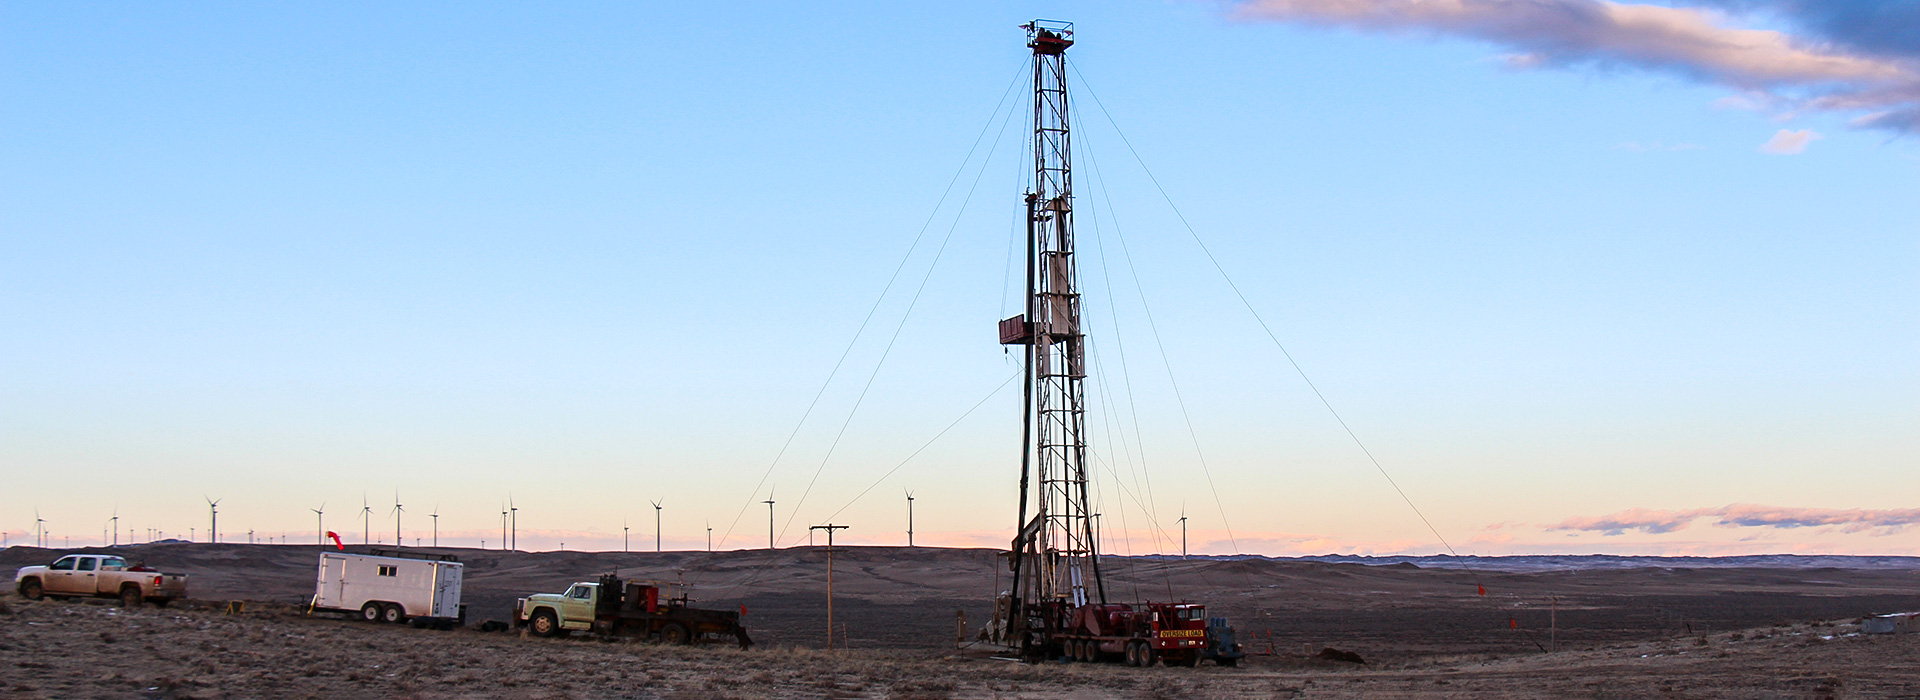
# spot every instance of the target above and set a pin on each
(370, 612)
(1133, 653)
(543, 624)
(130, 597)
(31, 590)
(675, 634)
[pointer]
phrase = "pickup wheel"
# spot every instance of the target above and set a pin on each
(543, 624)
(130, 596)
(31, 590)
(370, 612)
(392, 613)
(675, 634)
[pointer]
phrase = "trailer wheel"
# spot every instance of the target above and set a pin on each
(543, 624)
(675, 634)
(393, 613)
(130, 596)
(370, 612)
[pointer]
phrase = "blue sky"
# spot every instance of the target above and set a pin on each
(599, 255)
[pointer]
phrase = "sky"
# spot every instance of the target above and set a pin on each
(1565, 276)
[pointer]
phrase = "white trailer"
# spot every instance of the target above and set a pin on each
(391, 587)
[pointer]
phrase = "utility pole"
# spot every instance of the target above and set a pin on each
(656, 526)
(1055, 554)
(829, 527)
(909, 518)
(1553, 624)
(769, 503)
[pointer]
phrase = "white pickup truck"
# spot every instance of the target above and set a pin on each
(101, 575)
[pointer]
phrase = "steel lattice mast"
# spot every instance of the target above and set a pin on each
(1055, 565)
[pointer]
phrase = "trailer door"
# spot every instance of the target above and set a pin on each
(333, 582)
(446, 590)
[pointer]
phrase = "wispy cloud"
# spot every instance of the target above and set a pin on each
(1637, 147)
(1790, 143)
(1879, 522)
(1841, 60)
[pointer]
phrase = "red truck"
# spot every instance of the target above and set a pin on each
(1179, 634)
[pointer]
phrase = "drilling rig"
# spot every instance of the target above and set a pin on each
(1057, 605)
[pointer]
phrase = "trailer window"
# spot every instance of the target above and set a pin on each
(389, 571)
(64, 564)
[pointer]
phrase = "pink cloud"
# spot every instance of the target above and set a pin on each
(1878, 522)
(1695, 42)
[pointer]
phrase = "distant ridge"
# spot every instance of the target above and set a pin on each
(1587, 562)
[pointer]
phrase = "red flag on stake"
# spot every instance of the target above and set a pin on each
(1513, 623)
(336, 540)
(743, 608)
(1483, 589)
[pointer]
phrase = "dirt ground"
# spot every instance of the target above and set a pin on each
(1642, 631)
(91, 649)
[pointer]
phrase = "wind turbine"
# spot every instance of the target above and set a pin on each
(909, 518)
(213, 515)
(656, 526)
(503, 527)
(1183, 532)
(366, 519)
(625, 535)
(116, 526)
(769, 503)
(436, 524)
(397, 510)
(39, 529)
(320, 523)
(513, 519)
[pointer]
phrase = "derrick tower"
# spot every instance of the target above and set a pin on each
(1054, 556)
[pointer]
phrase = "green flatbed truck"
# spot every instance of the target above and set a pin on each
(614, 607)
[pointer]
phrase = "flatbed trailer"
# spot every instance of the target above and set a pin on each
(614, 607)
